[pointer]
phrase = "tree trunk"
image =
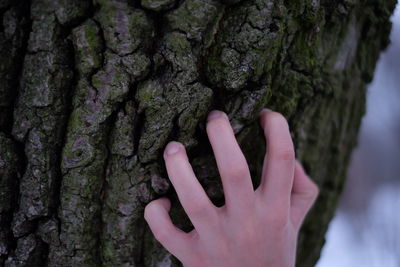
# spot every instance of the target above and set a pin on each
(91, 92)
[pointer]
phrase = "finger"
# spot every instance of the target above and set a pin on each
(304, 193)
(232, 165)
(278, 168)
(197, 205)
(172, 238)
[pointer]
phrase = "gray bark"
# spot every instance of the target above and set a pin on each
(91, 92)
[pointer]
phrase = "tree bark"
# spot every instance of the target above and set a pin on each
(91, 92)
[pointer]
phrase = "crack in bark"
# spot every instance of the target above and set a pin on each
(178, 80)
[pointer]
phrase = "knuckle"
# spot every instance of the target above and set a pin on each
(197, 208)
(279, 219)
(285, 153)
(275, 214)
(237, 172)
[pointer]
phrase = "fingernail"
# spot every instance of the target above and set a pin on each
(172, 148)
(215, 114)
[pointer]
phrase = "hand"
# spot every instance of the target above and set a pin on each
(254, 227)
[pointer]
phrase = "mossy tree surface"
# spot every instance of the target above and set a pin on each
(91, 92)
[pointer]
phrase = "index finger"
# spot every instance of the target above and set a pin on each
(194, 200)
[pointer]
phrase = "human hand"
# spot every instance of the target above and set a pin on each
(255, 228)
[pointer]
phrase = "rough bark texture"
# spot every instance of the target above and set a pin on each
(91, 92)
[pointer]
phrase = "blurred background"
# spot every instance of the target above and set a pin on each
(366, 229)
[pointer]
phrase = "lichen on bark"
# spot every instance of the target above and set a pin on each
(93, 91)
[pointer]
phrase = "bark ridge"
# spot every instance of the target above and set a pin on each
(92, 91)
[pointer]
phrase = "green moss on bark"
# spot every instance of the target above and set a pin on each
(104, 85)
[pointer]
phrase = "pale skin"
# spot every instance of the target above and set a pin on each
(256, 227)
